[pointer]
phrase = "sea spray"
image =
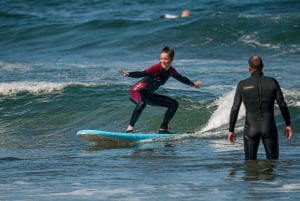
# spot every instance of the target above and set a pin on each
(220, 116)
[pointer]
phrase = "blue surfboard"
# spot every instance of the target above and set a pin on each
(122, 136)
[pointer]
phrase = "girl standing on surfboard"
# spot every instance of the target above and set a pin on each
(143, 92)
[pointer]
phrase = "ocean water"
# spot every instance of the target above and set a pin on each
(58, 75)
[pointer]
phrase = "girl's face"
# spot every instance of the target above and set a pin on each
(165, 60)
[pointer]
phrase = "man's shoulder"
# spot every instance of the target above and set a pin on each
(243, 81)
(269, 78)
(265, 79)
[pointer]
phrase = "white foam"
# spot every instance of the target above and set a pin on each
(292, 97)
(284, 188)
(99, 192)
(220, 116)
(222, 145)
(12, 88)
(250, 39)
(14, 67)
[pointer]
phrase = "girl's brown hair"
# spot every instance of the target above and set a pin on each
(169, 51)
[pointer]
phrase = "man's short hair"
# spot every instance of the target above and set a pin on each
(256, 62)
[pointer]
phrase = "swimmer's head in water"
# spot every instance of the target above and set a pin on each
(185, 13)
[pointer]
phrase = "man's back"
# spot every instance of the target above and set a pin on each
(259, 94)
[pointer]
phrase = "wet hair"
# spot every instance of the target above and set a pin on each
(169, 51)
(256, 62)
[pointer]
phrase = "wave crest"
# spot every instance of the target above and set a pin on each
(13, 88)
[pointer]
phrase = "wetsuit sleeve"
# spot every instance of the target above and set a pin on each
(181, 78)
(235, 108)
(282, 105)
(148, 71)
(137, 74)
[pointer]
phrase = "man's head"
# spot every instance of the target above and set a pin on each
(255, 63)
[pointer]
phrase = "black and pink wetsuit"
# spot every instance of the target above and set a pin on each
(142, 92)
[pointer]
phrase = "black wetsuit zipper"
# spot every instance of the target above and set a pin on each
(260, 94)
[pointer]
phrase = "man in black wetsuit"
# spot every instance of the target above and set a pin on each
(258, 93)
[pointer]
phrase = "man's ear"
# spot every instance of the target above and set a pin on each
(249, 69)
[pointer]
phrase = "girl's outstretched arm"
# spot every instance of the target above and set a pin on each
(124, 73)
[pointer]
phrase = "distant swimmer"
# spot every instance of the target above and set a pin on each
(184, 13)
